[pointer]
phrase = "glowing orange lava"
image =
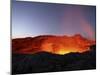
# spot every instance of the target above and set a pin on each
(63, 45)
(53, 44)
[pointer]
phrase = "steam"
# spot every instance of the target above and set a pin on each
(74, 21)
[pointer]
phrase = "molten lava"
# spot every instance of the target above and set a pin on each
(53, 44)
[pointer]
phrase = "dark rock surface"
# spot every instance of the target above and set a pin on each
(47, 62)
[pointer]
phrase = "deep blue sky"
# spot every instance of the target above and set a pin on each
(33, 19)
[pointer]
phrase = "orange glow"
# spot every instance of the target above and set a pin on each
(64, 44)
(62, 51)
(53, 44)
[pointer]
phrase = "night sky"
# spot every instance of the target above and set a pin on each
(33, 19)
